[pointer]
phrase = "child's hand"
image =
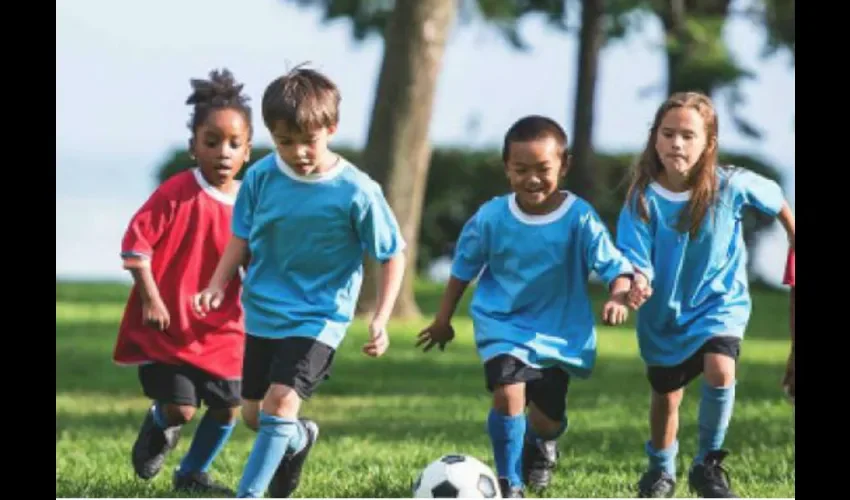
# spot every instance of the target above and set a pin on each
(379, 341)
(207, 300)
(615, 311)
(437, 333)
(788, 382)
(639, 293)
(155, 314)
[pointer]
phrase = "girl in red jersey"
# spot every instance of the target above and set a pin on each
(171, 247)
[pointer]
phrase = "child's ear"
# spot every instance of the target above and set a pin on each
(192, 148)
(565, 165)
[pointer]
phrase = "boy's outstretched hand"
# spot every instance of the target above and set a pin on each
(437, 333)
(615, 312)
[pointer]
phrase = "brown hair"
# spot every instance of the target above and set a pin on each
(303, 98)
(702, 180)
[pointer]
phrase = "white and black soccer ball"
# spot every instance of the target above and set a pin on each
(456, 476)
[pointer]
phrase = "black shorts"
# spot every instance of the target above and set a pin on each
(546, 388)
(665, 379)
(187, 386)
(298, 362)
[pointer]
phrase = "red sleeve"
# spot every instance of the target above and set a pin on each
(146, 228)
(789, 269)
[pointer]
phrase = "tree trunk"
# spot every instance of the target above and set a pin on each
(581, 178)
(398, 151)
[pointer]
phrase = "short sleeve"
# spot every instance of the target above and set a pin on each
(376, 225)
(243, 207)
(604, 257)
(470, 250)
(758, 192)
(634, 239)
(146, 228)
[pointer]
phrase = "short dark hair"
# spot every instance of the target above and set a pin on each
(221, 91)
(533, 127)
(303, 98)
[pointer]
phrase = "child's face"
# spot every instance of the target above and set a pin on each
(221, 146)
(304, 151)
(534, 169)
(680, 141)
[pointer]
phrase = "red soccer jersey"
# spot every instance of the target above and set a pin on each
(789, 269)
(182, 231)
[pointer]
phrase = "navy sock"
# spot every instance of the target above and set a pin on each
(507, 434)
(208, 441)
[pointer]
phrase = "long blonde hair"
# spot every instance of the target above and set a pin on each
(701, 181)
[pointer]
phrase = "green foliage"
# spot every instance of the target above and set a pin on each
(459, 181)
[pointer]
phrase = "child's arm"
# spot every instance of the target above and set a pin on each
(440, 332)
(786, 218)
(615, 311)
(634, 239)
(392, 274)
(611, 266)
(154, 312)
(234, 255)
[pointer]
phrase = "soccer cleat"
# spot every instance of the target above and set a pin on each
(288, 473)
(656, 483)
(509, 491)
(709, 479)
(202, 483)
(539, 458)
(152, 446)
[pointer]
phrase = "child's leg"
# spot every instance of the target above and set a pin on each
(175, 400)
(222, 399)
(706, 477)
(547, 421)
(506, 423)
(297, 366)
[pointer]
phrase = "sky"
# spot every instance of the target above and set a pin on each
(123, 70)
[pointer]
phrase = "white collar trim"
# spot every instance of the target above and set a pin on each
(312, 178)
(215, 193)
(552, 216)
(670, 195)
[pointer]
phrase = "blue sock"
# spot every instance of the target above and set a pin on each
(538, 437)
(715, 412)
(277, 435)
(209, 439)
(663, 459)
(507, 434)
(159, 415)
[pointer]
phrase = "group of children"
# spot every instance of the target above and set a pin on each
(244, 291)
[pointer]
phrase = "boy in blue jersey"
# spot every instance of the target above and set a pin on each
(681, 228)
(534, 250)
(305, 216)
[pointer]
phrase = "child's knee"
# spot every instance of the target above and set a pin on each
(282, 401)
(543, 424)
(225, 416)
(719, 370)
(179, 414)
(667, 401)
(509, 399)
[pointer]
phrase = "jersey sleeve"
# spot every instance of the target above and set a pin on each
(376, 225)
(790, 271)
(145, 229)
(470, 250)
(600, 251)
(243, 207)
(758, 192)
(634, 240)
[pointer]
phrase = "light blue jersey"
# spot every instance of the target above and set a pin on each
(307, 237)
(700, 285)
(531, 301)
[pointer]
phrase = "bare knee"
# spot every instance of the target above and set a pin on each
(281, 401)
(178, 414)
(509, 399)
(719, 370)
(667, 402)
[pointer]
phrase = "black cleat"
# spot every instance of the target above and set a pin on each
(509, 491)
(656, 483)
(201, 482)
(709, 479)
(152, 446)
(539, 458)
(288, 473)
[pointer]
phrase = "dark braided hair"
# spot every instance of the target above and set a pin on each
(221, 91)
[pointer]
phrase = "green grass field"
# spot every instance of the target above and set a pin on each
(384, 419)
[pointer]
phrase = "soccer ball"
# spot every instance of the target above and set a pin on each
(456, 476)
